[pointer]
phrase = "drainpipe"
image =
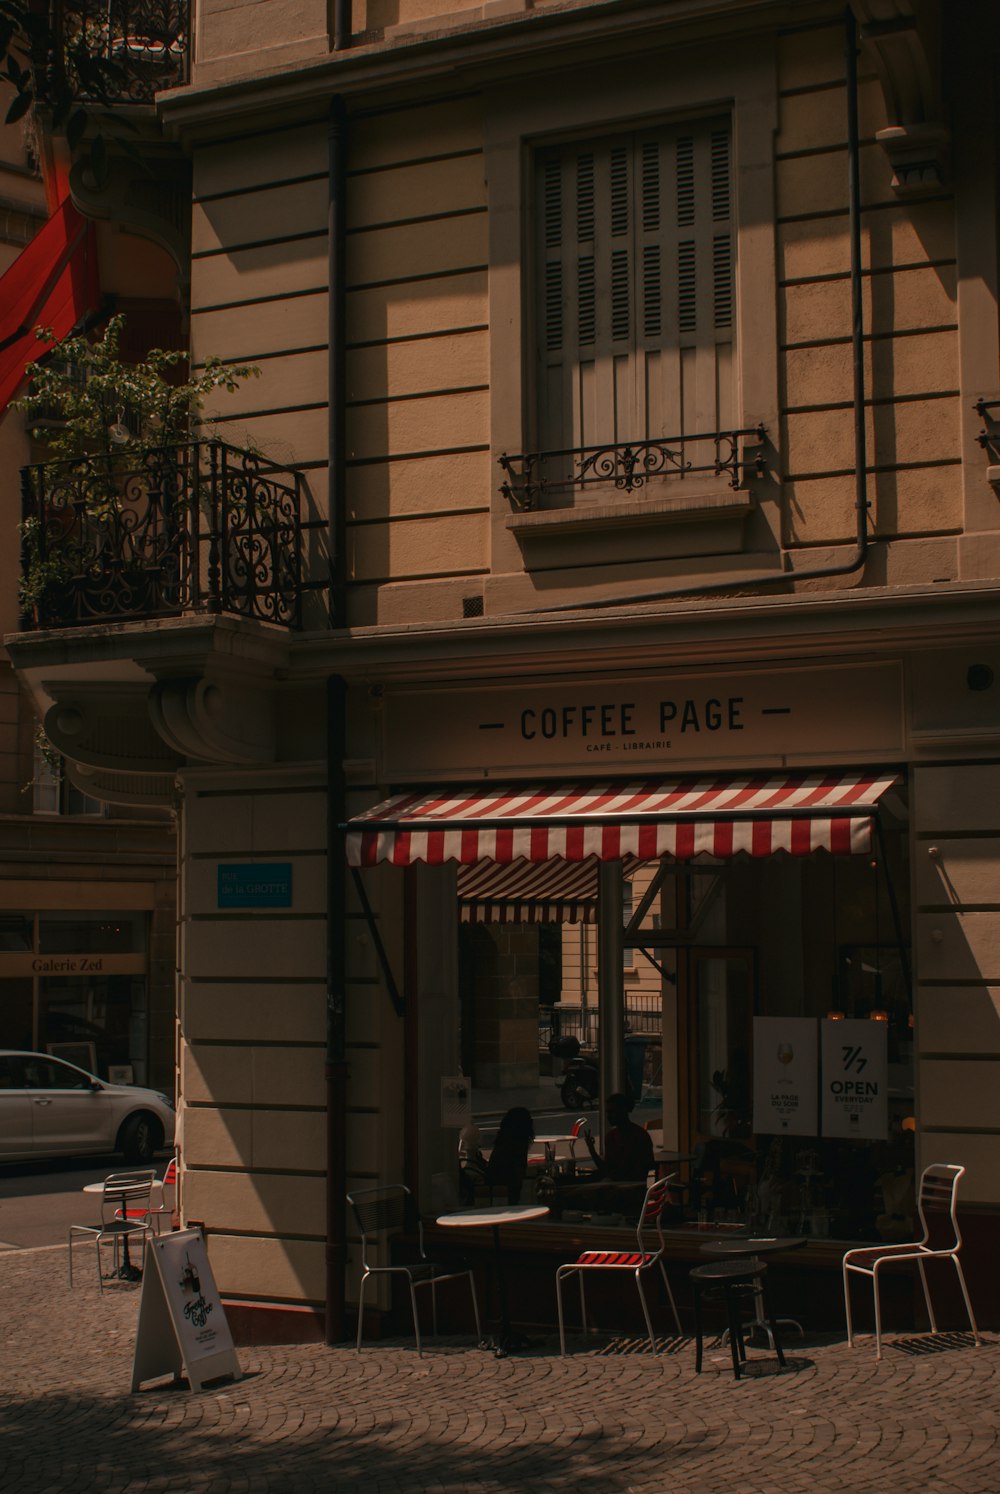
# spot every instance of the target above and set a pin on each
(337, 146)
(341, 25)
(861, 505)
(336, 1013)
(336, 699)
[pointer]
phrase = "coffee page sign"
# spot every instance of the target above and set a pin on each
(624, 725)
(854, 1055)
(785, 1060)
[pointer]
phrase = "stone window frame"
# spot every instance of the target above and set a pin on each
(588, 103)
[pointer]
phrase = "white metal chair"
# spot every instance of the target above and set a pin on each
(167, 1186)
(125, 1215)
(380, 1211)
(638, 1262)
(942, 1240)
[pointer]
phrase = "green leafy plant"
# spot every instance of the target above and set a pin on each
(92, 402)
(110, 427)
(733, 1109)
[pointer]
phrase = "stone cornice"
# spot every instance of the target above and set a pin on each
(904, 38)
(474, 55)
(704, 632)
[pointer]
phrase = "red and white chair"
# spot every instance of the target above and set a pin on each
(639, 1262)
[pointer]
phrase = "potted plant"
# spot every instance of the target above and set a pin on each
(107, 499)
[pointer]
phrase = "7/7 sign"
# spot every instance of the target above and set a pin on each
(855, 1073)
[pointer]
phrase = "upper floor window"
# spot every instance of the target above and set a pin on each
(52, 791)
(634, 320)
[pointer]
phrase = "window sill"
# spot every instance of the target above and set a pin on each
(694, 506)
(606, 531)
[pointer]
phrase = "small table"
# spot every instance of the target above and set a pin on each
(755, 1246)
(126, 1271)
(492, 1218)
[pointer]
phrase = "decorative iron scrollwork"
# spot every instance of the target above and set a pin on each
(161, 532)
(141, 46)
(532, 477)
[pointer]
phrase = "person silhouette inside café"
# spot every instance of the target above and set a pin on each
(508, 1163)
(628, 1149)
(618, 1183)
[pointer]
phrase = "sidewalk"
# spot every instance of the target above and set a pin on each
(309, 1418)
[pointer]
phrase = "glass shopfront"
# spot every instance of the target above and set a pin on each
(74, 984)
(777, 1080)
(739, 956)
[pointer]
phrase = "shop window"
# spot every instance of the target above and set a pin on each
(98, 1022)
(16, 999)
(634, 320)
(723, 986)
(16, 932)
(92, 933)
(85, 998)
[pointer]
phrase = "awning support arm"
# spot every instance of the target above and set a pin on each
(652, 891)
(663, 974)
(382, 957)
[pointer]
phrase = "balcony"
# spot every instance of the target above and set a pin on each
(554, 479)
(200, 527)
(120, 51)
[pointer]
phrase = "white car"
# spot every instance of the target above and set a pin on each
(49, 1108)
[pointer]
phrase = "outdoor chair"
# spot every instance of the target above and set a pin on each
(942, 1240)
(639, 1262)
(168, 1193)
(125, 1215)
(167, 1206)
(379, 1212)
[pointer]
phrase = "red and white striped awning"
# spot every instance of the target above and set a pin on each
(530, 891)
(719, 816)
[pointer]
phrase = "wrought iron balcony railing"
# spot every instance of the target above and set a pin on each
(198, 527)
(139, 46)
(535, 478)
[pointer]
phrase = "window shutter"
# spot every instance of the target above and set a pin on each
(636, 267)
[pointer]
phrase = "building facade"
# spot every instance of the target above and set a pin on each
(87, 906)
(634, 369)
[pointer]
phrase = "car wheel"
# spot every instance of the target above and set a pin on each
(141, 1137)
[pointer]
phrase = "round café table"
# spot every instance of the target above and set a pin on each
(753, 1247)
(494, 1218)
(126, 1271)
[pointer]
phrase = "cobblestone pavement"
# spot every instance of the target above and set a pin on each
(312, 1418)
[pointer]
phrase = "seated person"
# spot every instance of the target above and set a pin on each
(628, 1149)
(621, 1173)
(508, 1164)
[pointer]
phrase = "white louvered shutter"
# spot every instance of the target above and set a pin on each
(635, 314)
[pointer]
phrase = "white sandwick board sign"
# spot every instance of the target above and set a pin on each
(182, 1326)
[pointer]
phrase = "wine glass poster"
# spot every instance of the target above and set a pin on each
(785, 1091)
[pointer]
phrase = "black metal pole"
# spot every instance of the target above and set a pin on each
(336, 1013)
(337, 147)
(857, 301)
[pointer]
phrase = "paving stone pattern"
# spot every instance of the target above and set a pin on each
(312, 1418)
